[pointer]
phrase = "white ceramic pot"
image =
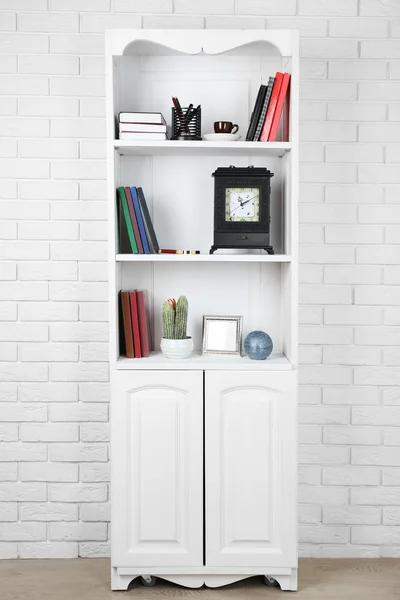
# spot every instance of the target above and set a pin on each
(177, 348)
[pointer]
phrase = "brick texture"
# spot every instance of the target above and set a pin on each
(54, 392)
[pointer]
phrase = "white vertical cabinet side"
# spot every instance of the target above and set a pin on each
(251, 469)
(114, 270)
(157, 469)
(292, 202)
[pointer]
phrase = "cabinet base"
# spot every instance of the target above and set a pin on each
(121, 581)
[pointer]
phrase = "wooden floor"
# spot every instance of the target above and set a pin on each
(323, 579)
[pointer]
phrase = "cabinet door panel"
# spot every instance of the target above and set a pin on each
(157, 469)
(251, 469)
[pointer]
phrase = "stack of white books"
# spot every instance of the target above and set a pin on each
(142, 126)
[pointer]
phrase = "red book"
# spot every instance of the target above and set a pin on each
(279, 107)
(286, 116)
(133, 219)
(135, 324)
(271, 107)
(126, 317)
(143, 324)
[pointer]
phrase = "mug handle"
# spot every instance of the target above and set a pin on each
(233, 128)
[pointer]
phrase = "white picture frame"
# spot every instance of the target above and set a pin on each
(222, 335)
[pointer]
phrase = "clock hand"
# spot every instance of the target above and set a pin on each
(236, 207)
(245, 201)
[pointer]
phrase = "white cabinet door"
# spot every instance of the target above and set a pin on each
(251, 468)
(157, 468)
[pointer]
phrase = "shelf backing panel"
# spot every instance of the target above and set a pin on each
(249, 290)
(225, 85)
(181, 197)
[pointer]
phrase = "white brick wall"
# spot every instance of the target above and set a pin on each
(53, 302)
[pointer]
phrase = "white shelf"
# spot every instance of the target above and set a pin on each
(254, 258)
(182, 148)
(156, 360)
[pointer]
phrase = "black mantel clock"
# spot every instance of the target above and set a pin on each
(242, 208)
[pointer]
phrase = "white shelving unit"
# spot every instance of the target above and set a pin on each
(204, 450)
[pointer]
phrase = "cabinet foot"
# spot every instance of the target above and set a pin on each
(120, 582)
(286, 582)
(270, 581)
(148, 580)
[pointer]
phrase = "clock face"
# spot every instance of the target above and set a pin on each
(242, 204)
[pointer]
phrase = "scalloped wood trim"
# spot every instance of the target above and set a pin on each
(197, 41)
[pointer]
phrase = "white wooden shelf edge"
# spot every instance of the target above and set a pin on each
(156, 360)
(171, 147)
(274, 258)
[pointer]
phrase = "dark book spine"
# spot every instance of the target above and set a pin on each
(264, 109)
(147, 220)
(124, 204)
(256, 112)
(140, 223)
(121, 330)
(133, 219)
(127, 320)
(124, 245)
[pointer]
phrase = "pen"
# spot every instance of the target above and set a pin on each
(179, 113)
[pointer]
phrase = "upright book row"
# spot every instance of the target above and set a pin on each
(268, 109)
(136, 231)
(134, 336)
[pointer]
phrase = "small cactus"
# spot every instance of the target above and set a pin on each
(174, 316)
(181, 318)
(168, 315)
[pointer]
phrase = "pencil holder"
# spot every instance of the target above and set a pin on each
(190, 128)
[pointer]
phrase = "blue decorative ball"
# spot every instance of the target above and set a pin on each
(258, 345)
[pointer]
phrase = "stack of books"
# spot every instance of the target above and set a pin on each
(267, 112)
(134, 334)
(135, 227)
(142, 126)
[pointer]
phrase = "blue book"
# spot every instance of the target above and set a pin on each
(139, 218)
(150, 233)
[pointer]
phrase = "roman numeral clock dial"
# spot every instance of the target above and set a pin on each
(242, 204)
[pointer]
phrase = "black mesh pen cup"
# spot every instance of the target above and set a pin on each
(188, 126)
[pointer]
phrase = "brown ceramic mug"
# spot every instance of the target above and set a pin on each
(225, 127)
